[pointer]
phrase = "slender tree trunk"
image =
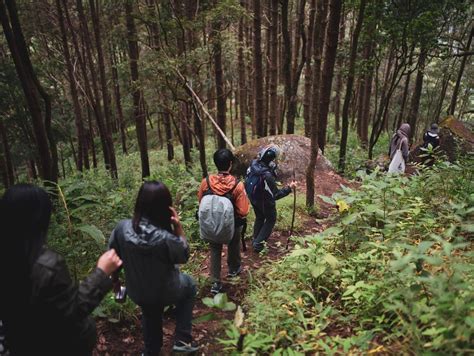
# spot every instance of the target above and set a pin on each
(339, 64)
(415, 100)
(91, 138)
(365, 115)
(140, 122)
(319, 27)
(454, 98)
(118, 99)
(287, 54)
(332, 35)
(219, 78)
(273, 80)
(350, 83)
(308, 72)
(169, 134)
(73, 89)
(92, 90)
(242, 90)
(30, 85)
(258, 70)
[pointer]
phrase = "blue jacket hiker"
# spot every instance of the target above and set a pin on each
(262, 191)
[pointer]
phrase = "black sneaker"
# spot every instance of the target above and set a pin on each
(216, 287)
(235, 273)
(184, 347)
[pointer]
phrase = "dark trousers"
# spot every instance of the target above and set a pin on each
(233, 255)
(152, 317)
(265, 219)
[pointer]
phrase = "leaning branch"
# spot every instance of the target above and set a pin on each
(193, 95)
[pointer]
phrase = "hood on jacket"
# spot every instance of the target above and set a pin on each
(404, 130)
(221, 183)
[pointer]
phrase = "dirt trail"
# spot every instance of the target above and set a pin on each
(125, 338)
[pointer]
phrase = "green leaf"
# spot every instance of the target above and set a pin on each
(317, 270)
(424, 246)
(93, 232)
(208, 302)
(220, 300)
(229, 306)
(327, 200)
(205, 317)
(331, 260)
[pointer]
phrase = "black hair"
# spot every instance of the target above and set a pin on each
(25, 213)
(223, 158)
(153, 203)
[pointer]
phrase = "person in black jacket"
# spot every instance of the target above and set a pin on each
(43, 311)
(151, 245)
(264, 204)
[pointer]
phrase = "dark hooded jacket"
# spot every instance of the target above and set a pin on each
(400, 140)
(149, 259)
(271, 191)
(56, 320)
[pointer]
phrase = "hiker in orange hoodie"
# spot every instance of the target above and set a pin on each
(223, 183)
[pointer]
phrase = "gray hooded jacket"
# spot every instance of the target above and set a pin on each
(400, 139)
(149, 259)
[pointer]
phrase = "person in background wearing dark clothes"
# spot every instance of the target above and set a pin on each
(264, 204)
(400, 140)
(151, 245)
(43, 311)
(430, 137)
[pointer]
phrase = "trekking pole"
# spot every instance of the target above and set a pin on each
(294, 211)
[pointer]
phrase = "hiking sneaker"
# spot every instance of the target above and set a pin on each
(234, 273)
(216, 287)
(184, 347)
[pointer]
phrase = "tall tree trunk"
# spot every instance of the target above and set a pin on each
(287, 54)
(118, 101)
(242, 90)
(30, 85)
(92, 90)
(339, 64)
(258, 70)
(454, 98)
(350, 83)
(415, 100)
(219, 78)
(368, 78)
(332, 35)
(91, 138)
(140, 122)
(319, 27)
(169, 134)
(308, 72)
(74, 94)
(273, 95)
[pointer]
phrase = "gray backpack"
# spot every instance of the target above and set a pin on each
(216, 215)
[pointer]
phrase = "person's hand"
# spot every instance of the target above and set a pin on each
(109, 262)
(293, 184)
(178, 228)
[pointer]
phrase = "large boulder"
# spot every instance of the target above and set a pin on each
(455, 139)
(294, 154)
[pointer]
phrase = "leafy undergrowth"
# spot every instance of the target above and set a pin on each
(394, 274)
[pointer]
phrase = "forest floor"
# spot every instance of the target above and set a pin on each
(125, 337)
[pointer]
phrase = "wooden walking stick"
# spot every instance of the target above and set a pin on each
(294, 211)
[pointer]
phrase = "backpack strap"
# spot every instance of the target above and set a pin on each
(209, 189)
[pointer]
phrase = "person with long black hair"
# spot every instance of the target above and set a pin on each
(151, 244)
(43, 311)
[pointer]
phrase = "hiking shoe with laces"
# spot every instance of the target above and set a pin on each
(216, 288)
(234, 273)
(184, 347)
